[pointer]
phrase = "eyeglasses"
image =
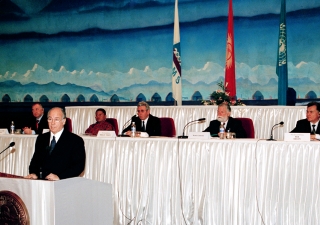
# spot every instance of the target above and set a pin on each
(56, 120)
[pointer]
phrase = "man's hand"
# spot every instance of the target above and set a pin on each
(27, 130)
(31, 176)
(52, 176)
(312, 137)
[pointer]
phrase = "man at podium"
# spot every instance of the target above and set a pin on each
(58, 154)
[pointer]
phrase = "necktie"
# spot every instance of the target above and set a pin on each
(224, 126)
(37, 124)
(143, 127)
(313, 130)
(53, 143)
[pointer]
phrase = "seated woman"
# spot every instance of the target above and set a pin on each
(101, 123)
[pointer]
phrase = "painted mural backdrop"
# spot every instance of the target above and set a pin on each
(98, 48)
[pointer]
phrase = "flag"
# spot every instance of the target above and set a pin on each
(282, 67)
(230, 74)
(176, 65)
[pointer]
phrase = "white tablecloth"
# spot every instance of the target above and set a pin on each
(230, 182)
(263, 117)
(171, 181)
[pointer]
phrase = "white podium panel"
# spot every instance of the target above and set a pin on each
(70, 201)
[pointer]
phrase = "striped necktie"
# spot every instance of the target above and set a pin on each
(37, 124)
(313, 129)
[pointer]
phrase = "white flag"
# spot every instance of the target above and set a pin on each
(176, 65)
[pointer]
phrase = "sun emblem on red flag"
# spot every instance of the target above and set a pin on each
(229, 58)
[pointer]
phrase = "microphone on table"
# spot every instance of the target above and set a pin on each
(271, 135)
(10, 145)
(201, 120)
(124, 126)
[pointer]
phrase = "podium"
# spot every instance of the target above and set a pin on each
(69, 201)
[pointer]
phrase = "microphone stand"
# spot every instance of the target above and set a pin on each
(271, 134)
(124, 126)
(198, 120)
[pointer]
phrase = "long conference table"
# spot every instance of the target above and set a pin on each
(263, 117)
(161, 180)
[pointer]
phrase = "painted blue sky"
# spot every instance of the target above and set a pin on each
(114, 44)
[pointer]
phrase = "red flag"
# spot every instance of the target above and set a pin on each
(230, 74)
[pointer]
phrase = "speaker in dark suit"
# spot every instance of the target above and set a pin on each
(233, 125)
(152, 124)
(42, 124)
(58, 154)
(153, 127)
(37, 122)
(304, 126)
(313, 116)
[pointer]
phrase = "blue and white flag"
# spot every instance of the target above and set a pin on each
(176, 66)
(282, 66)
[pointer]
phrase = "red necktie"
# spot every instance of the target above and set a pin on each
(37, 124)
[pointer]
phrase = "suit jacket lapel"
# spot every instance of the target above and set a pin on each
(318, 129)
(229, 124)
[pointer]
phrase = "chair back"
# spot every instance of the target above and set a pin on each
(68, 125)
(168, 128)
(114, 123)
(247, 124)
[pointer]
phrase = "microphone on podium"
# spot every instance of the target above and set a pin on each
(271, 134)
(10, 145)
(201, 120)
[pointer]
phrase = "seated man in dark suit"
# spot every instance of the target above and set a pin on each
(101, 123)
(58, 154)
(311, 123)
(231, 124)
(145, 122)
(38, 122)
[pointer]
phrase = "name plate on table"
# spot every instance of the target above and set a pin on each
(3, 131)
(199, 135)
(296, 137)
(106, 134)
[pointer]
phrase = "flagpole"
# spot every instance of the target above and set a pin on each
(176, 65)
(230, 74)
(282, 66)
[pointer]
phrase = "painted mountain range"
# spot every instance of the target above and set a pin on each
(101, 47)
(203, 80)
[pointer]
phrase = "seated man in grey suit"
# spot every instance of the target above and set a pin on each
(231, 124)
(145, 122)
(311, 123)
(58, 154)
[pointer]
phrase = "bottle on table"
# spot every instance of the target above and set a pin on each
(221, 131)
(12, 128)
(133, 129)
